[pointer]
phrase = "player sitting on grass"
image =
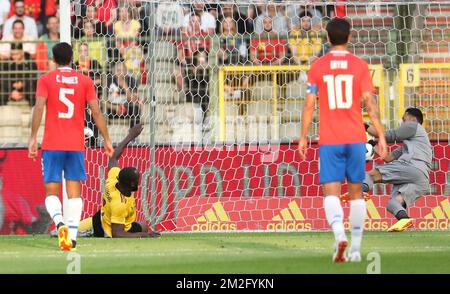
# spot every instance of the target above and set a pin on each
(117, 217)
(407, 168)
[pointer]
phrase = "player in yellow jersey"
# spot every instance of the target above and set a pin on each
(117, 217)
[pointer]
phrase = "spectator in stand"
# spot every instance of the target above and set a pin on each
(91, 16)
(123, 100)
(90, 67)
(132, 58)
(18, 35)
(304, 42)
(279, 20)
(169, 21)
(207, 20)
(19, 14)
(96, 44)
(4, 10)
(233, 49)
(126, 32)
(106, 13)
(336, 9)
(194, 80)
(33, 9)
(44, 53)
(18, 80)
(51, 8)
(252, 13)
(294, 12)
(244, 23)
(126, 29)
(268, 48)
(194, 40)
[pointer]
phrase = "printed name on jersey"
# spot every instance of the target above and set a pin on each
(338, 64)
(311, 89)
(66, 80)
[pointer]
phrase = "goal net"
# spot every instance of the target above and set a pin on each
(219, 87)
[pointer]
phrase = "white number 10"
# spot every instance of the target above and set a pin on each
(335, 86)
(70, 106)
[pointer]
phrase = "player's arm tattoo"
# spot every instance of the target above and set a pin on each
(374, 114)
(372, 108)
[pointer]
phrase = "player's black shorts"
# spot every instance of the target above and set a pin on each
(98, 229)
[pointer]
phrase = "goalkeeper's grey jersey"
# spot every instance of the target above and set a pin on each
(417, 149)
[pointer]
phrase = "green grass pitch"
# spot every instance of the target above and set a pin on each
(407, 252)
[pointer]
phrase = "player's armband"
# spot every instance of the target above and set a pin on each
(311, 89)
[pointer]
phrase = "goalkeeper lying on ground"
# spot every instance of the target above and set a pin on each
(407, 168)
(117, 217)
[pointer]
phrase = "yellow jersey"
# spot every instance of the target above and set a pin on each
(116, 208)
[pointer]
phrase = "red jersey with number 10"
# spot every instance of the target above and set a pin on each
(67, 92)
(339, 78)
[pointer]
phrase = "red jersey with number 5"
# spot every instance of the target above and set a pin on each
(339, 78)
(67, 93)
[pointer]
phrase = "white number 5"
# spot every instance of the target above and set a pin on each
(70, 106)
(335, 95)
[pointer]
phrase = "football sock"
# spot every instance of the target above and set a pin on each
(74, 209)
(394, 207)
(54, 209)
(401, 215)
(357, 218)
(335, 216)
(368, 183)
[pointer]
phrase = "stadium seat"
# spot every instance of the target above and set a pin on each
(163, 134)
(230, 128)
(163, 113)
(10, 116)
(263, 90)
(289, 131)
(231, 110)
(164, 71)
(292, 110)
(165, 51)
(296, 90)
(240, 125)
(118, 130)
(190, 112)
(166, 93)
(185, 132)
(260, 108)
(9, 134)
(258, 130)
(144, 137)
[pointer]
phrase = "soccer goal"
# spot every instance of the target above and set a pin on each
(219, 87)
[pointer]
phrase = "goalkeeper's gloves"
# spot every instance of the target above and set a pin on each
(372, 142)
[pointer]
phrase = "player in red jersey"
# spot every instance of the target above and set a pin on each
(65, 93)
(341, 80)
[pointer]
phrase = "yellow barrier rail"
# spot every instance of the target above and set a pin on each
(377, 71)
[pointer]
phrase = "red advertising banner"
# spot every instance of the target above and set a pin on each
(296, 214)
(239, 176)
